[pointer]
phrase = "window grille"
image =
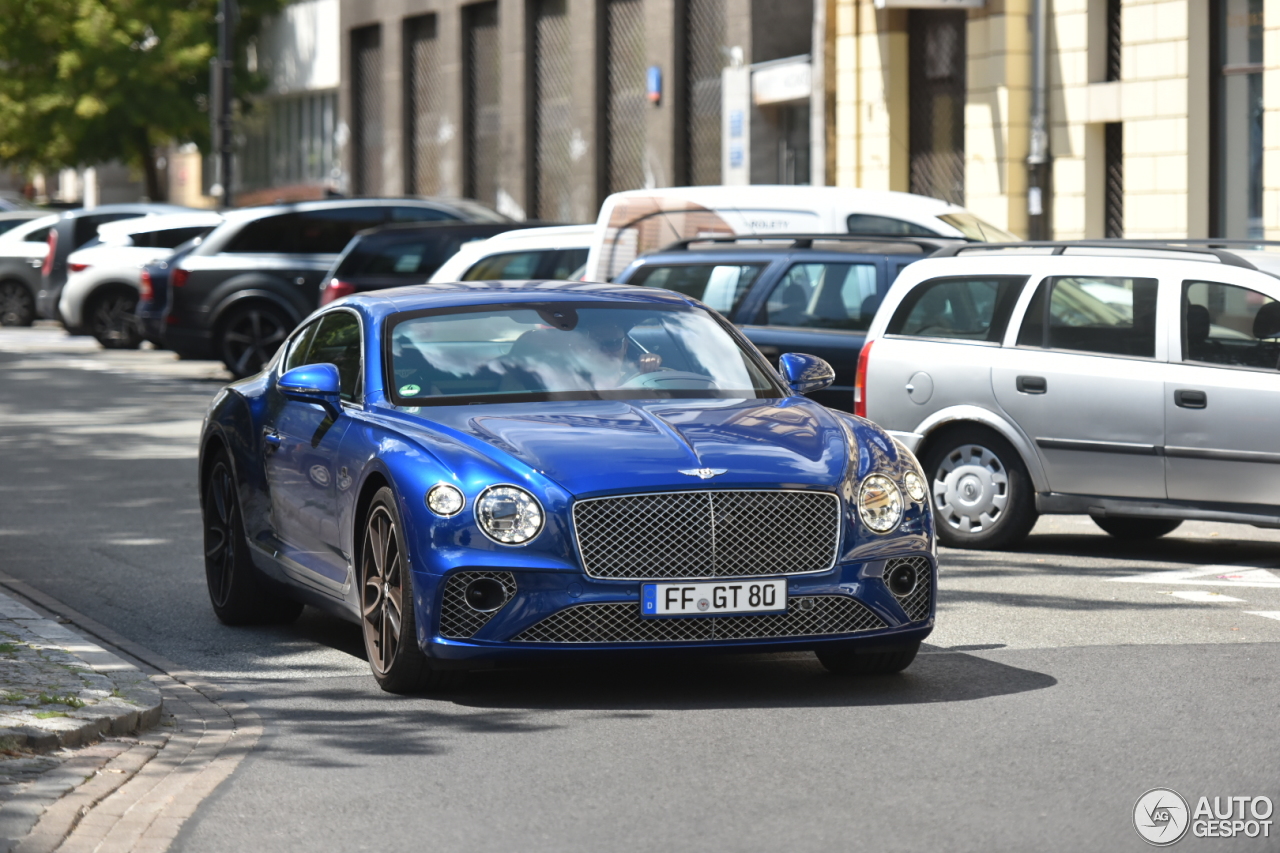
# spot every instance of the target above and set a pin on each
(424, 107)
(366, 110)
(704, 60)
(627, 94)
(483, 64)
(553, 77)
(937, 79)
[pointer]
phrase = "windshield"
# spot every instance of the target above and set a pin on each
(974, 228)
(567, 351)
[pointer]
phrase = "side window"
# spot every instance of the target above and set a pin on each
(1227, 324)
(972, 309)
(721, 286)
(885, 226)
(327, 232)
(337, 342)
(1105, 315)
(824, 296)
(420, 214)
(298, 349)
(567, 263)
(40, 235)
(508, 266)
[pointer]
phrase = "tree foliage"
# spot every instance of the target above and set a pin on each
(90, 81)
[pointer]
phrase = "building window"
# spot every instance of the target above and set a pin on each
(366, 110)
(288, 141)
(1113, 194)
(1114, 42)
(1236, 118)
(936, 72)
(425, 120)
(626, 98)
(704, 60)
(553, 77)
(482, 61)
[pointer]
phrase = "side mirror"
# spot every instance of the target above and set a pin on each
(314, 383)
(805, 373)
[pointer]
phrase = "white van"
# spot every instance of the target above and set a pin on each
(636, 222)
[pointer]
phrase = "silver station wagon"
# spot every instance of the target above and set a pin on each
(1135, 383)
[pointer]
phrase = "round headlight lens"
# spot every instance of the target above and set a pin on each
(444, 499)
(914, 484)
(508, 515)
(880, 503)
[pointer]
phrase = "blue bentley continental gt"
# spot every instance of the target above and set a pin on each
(492, 472)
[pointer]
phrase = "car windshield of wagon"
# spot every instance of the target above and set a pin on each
(567, 351)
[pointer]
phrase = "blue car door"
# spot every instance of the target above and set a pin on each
(823, 308)
(302, 443)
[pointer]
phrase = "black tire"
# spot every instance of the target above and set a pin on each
(250, 335)
(239, 595)
(386, 587)
(109, 317)
(17, 305)
(981, 491)
(1137, 528)
(847, 660)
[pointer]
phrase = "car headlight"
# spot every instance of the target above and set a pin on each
(914, 484)
(445, 500)
(879, 503)
(508, 515)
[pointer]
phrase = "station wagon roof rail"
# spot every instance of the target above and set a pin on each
(806, 241)
(1152, 248)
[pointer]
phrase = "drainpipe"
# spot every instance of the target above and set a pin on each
(1038, 163)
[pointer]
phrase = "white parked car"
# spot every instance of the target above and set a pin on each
(22, 252)
(104, 277)
(554, 253)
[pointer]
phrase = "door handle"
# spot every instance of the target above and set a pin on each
(271, 437)
(1190, 399)
(1032, 384)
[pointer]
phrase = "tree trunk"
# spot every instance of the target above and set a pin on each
(147, 154)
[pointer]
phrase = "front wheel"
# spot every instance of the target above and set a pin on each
(386, 605)
(982, 493)
(17, 305)
(250, 335)
(111, 320)
(1137, 528)
(847, 660)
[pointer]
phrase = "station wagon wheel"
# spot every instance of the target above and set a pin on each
(17, 307)
(111, 319)
(386, 604)
(250, 336)
(982, 496)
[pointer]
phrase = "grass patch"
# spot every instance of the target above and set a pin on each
(13, 698)
(48, 715)
(69, 701)
(9, 648)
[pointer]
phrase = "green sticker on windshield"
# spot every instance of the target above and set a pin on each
(409, 390)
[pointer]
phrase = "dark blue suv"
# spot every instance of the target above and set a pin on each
(805, 293)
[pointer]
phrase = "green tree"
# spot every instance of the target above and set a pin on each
(90, 81)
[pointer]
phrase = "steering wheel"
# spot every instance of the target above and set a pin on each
(669, 378)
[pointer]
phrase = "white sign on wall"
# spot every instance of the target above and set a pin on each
(783, 82)
(930, 4)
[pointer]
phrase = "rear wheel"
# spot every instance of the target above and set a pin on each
(236, 591)
(846, 660)
(982, 494)
(110, 319)
(386, 605)
(17, 305)
(1137, 528)
(250, 335)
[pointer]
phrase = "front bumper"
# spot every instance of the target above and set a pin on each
(557, 614)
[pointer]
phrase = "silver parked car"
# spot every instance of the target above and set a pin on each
(1136, 383)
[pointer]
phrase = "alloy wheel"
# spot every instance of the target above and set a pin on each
(971, 489)
(251, 338)
(221, 526)
(16, 305)
(382, 590)
(113, 322)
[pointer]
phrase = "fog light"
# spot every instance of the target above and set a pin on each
(485, 595)
(445, 500)
(902, 580)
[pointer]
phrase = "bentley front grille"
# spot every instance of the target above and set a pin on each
(708, 534)
(458, 619)
(915, 603)
(806, 616)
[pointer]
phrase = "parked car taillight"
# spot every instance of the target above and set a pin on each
(860, 381)
(77, 267)
(147, 290)
(47, 267)
(178, 277)
(336, 289)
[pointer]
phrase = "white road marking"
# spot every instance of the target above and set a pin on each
(1202, 595)
(1270, 614)
(1236, 576)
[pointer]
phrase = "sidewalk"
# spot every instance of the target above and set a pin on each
(57, 689)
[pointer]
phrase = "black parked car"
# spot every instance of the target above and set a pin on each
(251, 281)
(73, 229)
(805, 293)
(396, 255)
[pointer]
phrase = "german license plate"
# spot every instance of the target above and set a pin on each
(713, 599)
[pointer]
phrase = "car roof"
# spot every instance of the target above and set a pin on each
(140, 208)
(157, 222)
(247, 214)
(382, 303)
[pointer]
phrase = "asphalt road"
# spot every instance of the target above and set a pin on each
(1063, 680)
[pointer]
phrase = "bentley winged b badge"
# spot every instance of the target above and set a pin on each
(703, 473)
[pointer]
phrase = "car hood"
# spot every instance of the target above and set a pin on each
(597, 447)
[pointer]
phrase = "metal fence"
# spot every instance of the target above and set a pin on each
(483, 73)
(366, 112)
(288, 140)
(424, 107)
(627, 96)
(704, 60)
(552, 159)
(937, 80)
